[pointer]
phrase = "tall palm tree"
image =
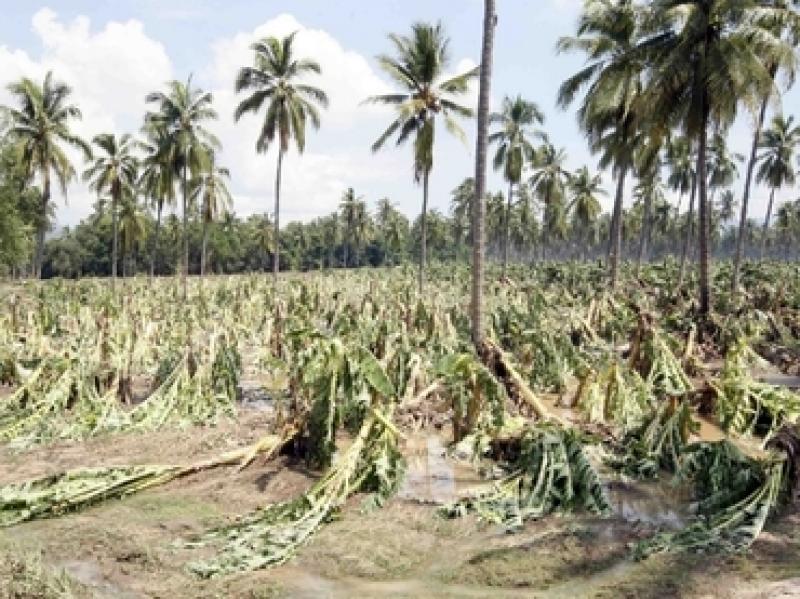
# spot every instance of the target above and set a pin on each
(275, 84)
(608, 31)
(548, 182)
(331, 236)
(461, 210)
(418, 67)
(157, 181)
(210, 192)
(779, 62)
(699, 73)
(584, 191)
(722, 165)
(682, 178)
(525, 228)
(181, 113)
(132, 226)
(114, 171)
(514, 148)
(39, 129)
(478, 247)
(779, 144)
(356, 224)
(390, 223)
(649, 193)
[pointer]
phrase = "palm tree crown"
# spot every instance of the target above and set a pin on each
(113, 171)
(273, 80)
(39, 128)
(181, 113)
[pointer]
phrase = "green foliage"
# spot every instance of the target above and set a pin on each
(273, 534)
(658, 444)
(736, 496)
(745, 405)
(548, 472)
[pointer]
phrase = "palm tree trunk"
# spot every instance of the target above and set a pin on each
(185, 257)
(615, 247)
(155, 239)
(114, 235)
(478, 206)
(644, 237)
(767, 218)
(688, 230)
(703, 213)
(203, 247)
(276, 265)
(423, 250)
(546, 225)
(506, 227)
(39, 259)
(751, 164)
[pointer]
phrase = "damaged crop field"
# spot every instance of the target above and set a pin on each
(339, 435)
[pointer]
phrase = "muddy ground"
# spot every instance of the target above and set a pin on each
(125, 549)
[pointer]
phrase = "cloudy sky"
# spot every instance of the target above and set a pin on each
(114, 53)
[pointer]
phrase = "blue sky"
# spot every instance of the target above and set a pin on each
(113, 53)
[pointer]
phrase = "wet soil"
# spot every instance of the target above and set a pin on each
(127, 548)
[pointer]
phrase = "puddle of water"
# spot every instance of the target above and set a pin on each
(431, 476)
(90, 574)
(657, 503)
(302, 584)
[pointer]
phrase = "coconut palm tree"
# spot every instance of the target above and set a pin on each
(779, 62)
(478, 244)
(722, 165)
(288, 104)
(210, 192)
(132, 226)
(495, 219)
(181, 113)
(157, 181)
(39, 130)
(649, 193)
(356, 224)
(114, 171)
(584, 203)
(608, 31)
(699, 72)
(682, 178)
(461, 210)
(777, 161)
(524, 229)
(418, 68)
(548, 183)
(514, 149)
(391, 225)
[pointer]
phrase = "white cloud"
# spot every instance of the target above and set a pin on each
(113, 67)
(110, 71)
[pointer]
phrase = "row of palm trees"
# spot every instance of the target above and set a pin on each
(663, 82)
(668, 67)
(176, 151)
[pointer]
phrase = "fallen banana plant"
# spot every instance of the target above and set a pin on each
(745, 405)
(736, 493)
(272, 535)
(613, 398)
(658, 444)
(548, 472)
(74, 490)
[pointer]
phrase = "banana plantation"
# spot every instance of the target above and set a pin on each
(342, 435)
